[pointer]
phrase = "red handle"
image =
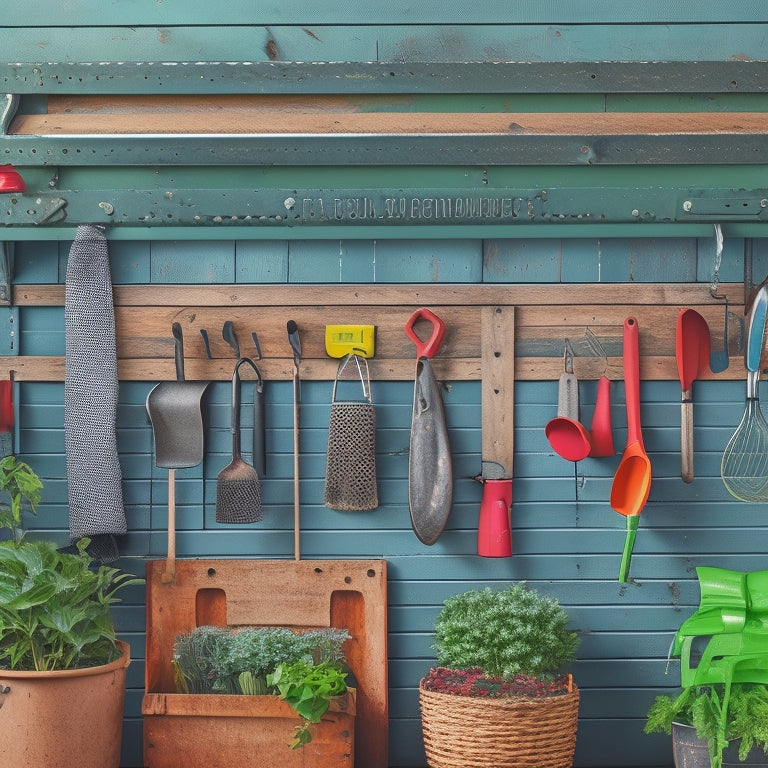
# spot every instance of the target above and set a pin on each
(6, 405)
(632, 380)
(429, 347)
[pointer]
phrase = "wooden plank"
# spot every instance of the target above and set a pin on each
(497, 340)
(547, 315)
(377, 294)
(279, 122)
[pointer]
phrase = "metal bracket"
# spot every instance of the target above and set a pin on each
(26, 210)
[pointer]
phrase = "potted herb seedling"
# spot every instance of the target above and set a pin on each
(500, 695)
(693, 718)
(62, 670)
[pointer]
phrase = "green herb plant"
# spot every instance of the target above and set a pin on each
(504, 633)
(308, 688)
(54, 606)
(305, 669)
(214, 659)
(702, 707)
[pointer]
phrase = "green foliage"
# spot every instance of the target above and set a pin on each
(308, 688)
(306, 669)
(24, 487)
(746, 717)
(505, 633)
(54, 606)
(213, 659)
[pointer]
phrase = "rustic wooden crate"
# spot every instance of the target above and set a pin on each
(300, 594)
(219, 730)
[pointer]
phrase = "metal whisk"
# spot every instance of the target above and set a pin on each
(744, 467)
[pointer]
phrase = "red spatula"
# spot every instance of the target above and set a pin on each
(692, 348)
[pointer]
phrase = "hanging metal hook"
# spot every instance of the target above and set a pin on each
(229, 335)
(568, 357)
(716, 265)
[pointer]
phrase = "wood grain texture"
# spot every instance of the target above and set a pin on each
(546, 315)
(497, 338)
(309, 121)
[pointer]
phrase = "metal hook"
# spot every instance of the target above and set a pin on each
(207, 343)
(364, 378)
(596, 346)
(716, 265)
(228, 334)
(568, 357)
(247, 361)
(256, 344)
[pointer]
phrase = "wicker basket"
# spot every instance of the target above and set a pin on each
(471, 732)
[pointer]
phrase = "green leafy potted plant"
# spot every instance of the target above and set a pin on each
(59, 658)
(499, 695)
(693, 718)
(306, 670)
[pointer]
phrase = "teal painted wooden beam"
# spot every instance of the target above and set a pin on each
(345, 149)
(385, 232)
(291, 77)
(375, 209)
(41, 13)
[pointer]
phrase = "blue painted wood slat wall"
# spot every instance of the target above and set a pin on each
(566, 538)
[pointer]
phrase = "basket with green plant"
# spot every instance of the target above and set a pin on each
(500, 694)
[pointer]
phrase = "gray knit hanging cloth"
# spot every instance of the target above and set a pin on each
(90, 398)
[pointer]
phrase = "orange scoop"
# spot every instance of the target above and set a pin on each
(632, 481)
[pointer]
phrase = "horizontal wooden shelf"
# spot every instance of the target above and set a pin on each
(383, 294)
(545, 316)
(652, 368)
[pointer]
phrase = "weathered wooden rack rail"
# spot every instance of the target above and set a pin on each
(544, 317)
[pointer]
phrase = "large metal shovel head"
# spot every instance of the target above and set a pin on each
(174, 407)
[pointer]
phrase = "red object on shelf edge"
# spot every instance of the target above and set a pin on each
(10, 180)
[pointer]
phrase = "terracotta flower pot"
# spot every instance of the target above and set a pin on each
(67, 719)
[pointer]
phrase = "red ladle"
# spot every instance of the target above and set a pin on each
(632, 481)
(566, 434)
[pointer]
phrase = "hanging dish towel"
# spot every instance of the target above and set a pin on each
(90, 398)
